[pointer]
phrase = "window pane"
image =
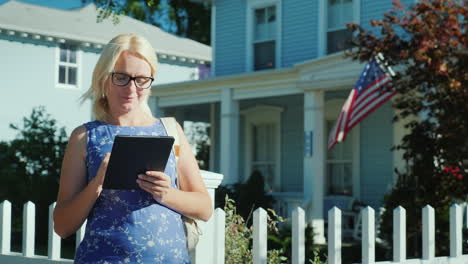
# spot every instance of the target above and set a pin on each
(271, 20)
(339, 14)
(72, 57)
(334, 16)
(342, 150)
(260, 16)
(271, 28)
(334, 152)
(348, 179)
(270, 143)
(264, 153)
(271, 14)
(347, 150)
(336, 40)
(260, 26)
(339, 179)
(63, 54)
(72, 75)
(260, 144)
(264, 147)
(62, 74)
(264, 55)
(347, 11)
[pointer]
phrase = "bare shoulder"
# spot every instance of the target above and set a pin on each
(78, 132)
(78, 140)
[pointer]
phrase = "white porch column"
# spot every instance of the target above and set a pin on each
(213, 124)
(314, 160)
(229, 137)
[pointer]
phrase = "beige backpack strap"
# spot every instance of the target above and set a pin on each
(170, 125)
(192, 231)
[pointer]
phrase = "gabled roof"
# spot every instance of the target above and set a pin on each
(80, 25)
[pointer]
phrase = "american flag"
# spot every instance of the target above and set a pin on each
(373, 88)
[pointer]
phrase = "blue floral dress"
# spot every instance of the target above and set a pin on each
(129, 226)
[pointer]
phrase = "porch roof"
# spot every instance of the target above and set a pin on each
(334, 72)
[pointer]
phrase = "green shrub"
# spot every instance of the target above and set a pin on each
(238, 239)
(30, 169)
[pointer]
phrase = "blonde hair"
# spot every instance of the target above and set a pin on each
(105, 65)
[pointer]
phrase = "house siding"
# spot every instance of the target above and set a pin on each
(291, 139)
(29, 81)
(299, 31)
(171, 71)
(30, 78)
(376, 160)
(230, 37)
(375, 10)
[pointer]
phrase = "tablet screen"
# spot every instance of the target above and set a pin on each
(133, 155)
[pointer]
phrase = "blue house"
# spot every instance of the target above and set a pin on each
(279, 81)
(48, 55)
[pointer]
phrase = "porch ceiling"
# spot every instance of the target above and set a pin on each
(328, 73)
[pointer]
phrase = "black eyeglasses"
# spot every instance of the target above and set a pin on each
(122, 79)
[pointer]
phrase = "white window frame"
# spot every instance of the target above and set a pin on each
(251, 6)
(257, 115)
(332, 111)
(59, 63)
(323, 23)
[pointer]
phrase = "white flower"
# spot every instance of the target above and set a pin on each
(150, 243)
(127, 260)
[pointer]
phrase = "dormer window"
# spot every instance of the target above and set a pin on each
(67, 66)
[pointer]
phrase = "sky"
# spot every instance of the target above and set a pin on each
(59, 4)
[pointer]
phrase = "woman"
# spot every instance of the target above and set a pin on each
(126, 226)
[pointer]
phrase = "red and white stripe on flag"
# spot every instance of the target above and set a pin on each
(373, 88)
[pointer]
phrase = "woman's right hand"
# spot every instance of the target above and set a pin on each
(101, 174)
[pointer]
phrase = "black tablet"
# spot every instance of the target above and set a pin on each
(133, 155)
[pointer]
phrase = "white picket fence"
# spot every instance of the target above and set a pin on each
(27, 255)
(368, 237)
(211, 247)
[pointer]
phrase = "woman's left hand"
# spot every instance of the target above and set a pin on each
(156, 183)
